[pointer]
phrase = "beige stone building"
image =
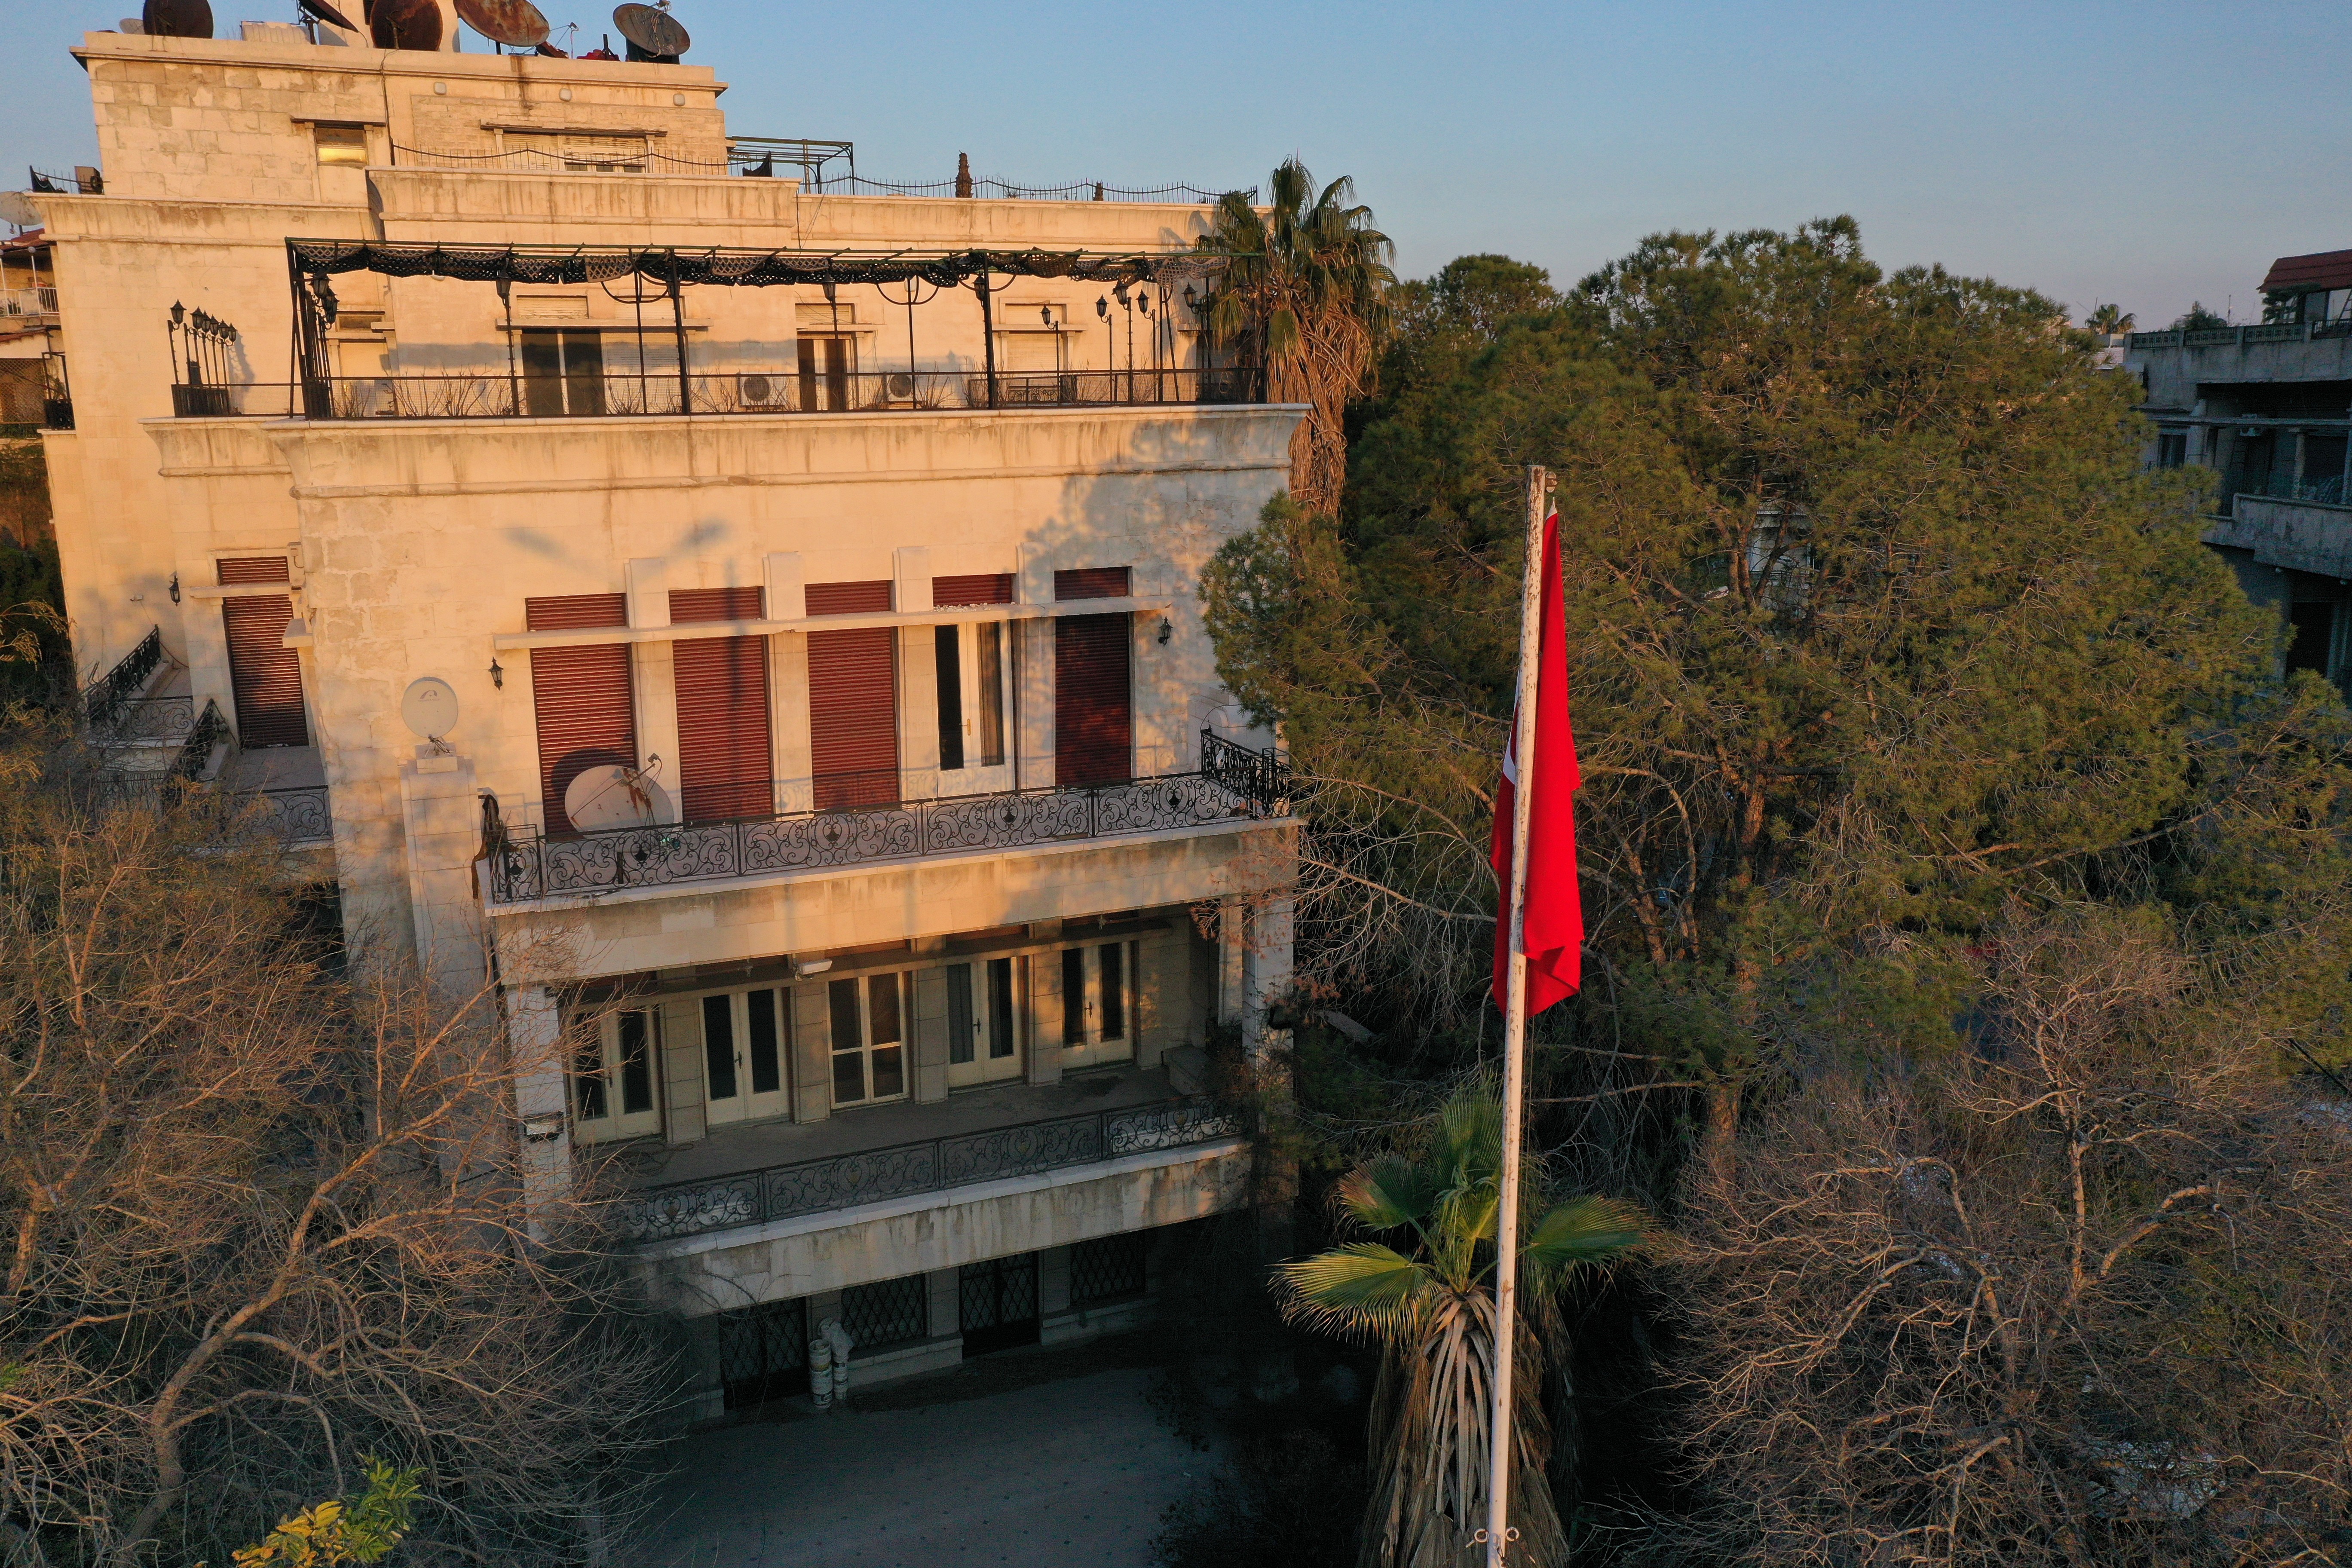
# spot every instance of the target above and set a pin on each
(758, 617)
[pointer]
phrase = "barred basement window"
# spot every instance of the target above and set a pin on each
(882, 1316)
(763, 1353)
(1107, 1270)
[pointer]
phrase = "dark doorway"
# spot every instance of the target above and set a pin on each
(2311, 643)
(997, 1303)
(763, 1353)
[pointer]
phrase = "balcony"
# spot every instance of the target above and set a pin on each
(39, 300)
(502, 396)
(1236, 785)
(768, 1173)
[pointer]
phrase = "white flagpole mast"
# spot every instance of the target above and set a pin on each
(1499, 1453)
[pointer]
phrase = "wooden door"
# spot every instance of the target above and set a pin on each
(1098, 994)
(744, 1048)
(983, 1023)
(264, 677)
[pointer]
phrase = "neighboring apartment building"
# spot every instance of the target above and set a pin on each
(927, 849)
(2268, 407)
(28, 328)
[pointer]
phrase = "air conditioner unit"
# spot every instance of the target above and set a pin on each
(764, 391)
(898, 386)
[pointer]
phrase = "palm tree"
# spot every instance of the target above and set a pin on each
(1430, 1304)
(2110, 321)
(1305, 294)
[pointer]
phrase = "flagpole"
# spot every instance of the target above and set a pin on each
(1515, 1027)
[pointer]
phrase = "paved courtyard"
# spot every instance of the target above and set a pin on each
(1070, 1473)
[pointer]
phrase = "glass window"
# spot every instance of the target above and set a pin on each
(868, 1047)
(614, 1062)
(1074, 996)
(1114, 991)
(341, 144)
(767, 1062)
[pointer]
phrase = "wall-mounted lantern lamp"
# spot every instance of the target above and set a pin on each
(498, 673)
(176, 588)
(1167, 630)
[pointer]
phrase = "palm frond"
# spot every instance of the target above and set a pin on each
(1391, 1190)
(1585, 1230)
(1363, 1288)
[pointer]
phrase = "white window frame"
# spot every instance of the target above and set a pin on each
(607, 1085)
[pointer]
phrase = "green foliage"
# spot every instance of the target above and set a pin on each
(2197, 319)
(2109, 320)
(340, 1531)
(1876, 626)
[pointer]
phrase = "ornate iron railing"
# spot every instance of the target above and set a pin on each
(934, 1164)
(1261, 778)
(298, 815)
(109, 692)
(210, 730)
(150, 719)
(501, 394)
(618, 858)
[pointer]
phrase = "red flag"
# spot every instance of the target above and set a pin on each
(1555, 914)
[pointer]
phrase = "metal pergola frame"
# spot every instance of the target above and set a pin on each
(311, 263)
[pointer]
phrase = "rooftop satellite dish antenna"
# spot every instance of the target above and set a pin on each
(516, 23)
(319, 10)
(610, 795)
(653, 35)
(176, 18)
(401, 23)
(430, 708)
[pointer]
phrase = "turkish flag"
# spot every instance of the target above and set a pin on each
(1554, 928)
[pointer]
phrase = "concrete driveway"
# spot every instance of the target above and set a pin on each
(1061, 1473)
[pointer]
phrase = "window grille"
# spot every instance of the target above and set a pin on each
(763, 1353)
(882, 1316)
(998, 1301)
(1107, 1270)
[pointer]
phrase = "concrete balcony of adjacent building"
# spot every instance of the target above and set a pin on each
(2174, 363)
(2293, 533)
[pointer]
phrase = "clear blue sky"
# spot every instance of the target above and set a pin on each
(2148, 153)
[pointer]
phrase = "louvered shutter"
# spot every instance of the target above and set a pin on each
(582, 697)
(853, 698)
(1093, 722)
(979, 588)
(1091, 582)
(264, 678)
(724, 751)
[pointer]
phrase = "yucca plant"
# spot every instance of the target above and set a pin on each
(1428, 1301)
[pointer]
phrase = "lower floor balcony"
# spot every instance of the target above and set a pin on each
(766, 1174)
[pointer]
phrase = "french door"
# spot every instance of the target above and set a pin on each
(746, 1040)
(974, 688)
(997, 1303)
(867, 1018)
(1097, 1004)
(983, 1021)
(612, 1080)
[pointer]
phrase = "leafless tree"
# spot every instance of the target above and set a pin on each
(2080, 1297)
(263, 1213)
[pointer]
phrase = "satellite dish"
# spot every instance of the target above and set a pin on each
(611, 796)
(176, 18)
(653, 35)
(517, 23)
(395, 23)
(18, 212)
(429, 707)
(327, 14)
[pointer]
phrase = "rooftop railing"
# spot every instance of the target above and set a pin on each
(934, 1164)
(497, 395)
(39, 300)
(2242, 337)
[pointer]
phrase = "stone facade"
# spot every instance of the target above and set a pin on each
(412, 543)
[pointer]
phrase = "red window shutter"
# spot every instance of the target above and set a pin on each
(849, 598)
(253, 569)
(854, 716)
(979, 588)
(582, 697)
(1091, 582)
(265, 678)
(1094, 732)
(724, 766)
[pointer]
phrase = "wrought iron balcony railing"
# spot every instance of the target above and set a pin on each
(107, 694)
(615, 859)
(936, 1164)
(491, 395)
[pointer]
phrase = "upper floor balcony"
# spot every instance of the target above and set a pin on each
(585, 334)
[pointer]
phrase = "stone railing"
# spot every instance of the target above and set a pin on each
(936, 1164)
